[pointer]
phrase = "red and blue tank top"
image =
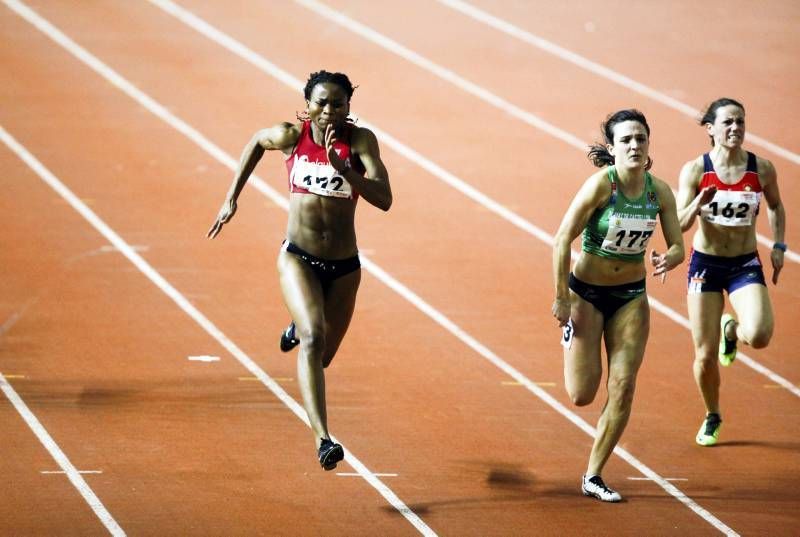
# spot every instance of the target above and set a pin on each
(733, 205)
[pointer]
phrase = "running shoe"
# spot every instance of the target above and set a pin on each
(329, 454)
(596, 488)
(288, 341)
(727, 347)
(709, 430)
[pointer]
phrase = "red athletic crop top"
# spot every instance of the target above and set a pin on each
(310, 172)
(733, 205)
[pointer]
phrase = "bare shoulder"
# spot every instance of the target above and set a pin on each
(692, 172)
(694, 166)
(597, 187)
(363, 139)
(599, 180)
(765, 168)
(281, 136)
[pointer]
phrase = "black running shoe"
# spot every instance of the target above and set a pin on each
(329, 454)
(288, 341)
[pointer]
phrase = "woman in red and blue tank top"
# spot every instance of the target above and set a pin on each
(330, 163)
(724, 188)
(604, 297)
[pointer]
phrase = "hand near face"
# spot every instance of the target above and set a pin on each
(330, 137)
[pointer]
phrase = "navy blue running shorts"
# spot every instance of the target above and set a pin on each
(714, 274)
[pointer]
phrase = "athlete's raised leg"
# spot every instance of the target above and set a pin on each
(754, 318)
(583, 367)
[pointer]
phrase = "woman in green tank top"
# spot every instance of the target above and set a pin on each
(604, 297)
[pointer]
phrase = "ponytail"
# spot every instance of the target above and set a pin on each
(600, 156)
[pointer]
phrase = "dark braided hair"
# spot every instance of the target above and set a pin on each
(711, 112)
(320, 77)
(599, 154)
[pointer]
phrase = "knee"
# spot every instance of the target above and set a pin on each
(580, 397)
(312, 340)
(620, 393)
(705, 357)
(758, 337)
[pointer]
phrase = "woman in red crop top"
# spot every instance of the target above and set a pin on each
(331, 162)
(724, 188)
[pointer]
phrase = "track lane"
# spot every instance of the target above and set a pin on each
(480, 485)
(691, 58)
(362, 213)
(678, 301)
(476, 78)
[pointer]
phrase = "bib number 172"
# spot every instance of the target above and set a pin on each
(630, 236)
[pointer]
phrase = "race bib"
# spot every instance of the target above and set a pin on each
(731, 208)
(319, 178)
(628, 235)
(567, 335)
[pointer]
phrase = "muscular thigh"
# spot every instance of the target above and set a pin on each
(752, 306)
(626, 336)
(302, 292)
(705, 310)
(340, 301)
(582, 364)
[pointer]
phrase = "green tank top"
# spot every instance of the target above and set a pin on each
(622, 228)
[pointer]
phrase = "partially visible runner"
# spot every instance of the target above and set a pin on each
(331, 162)
(604, 297)
(724, 188)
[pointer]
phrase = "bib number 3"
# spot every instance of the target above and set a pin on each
(567, 335)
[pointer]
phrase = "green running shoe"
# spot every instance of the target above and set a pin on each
(727, 347)
(709, 430)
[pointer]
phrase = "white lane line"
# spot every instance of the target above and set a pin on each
(539, 392)
(470, 87)
(434, 169)
(373, 268)
(11, 321)
(600, 70)
(160, 282)
(666, 478)
(48, 472)
(350, 474)
(446, 74)
(204, 359)
(61, 459)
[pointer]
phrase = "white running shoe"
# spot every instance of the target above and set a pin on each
(596, 488)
